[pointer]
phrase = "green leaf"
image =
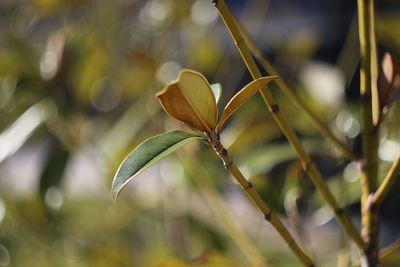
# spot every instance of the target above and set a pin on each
(217, 90)
(146, 154)
(242, 97)
(190, 99)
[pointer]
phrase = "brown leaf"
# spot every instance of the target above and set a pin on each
(190, 99)
(389, 81)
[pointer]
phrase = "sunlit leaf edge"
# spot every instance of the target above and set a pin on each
(146, 154)
(242, 97)
(207, 127)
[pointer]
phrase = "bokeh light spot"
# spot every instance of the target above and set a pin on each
(388, 150)
(155, 12)
(203, 13)
(326, 83)
(347, 124)
(168, 72)
(351, 172)
(105, 94)
(54, 197)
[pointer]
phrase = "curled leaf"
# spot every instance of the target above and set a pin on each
(242, 97)
(146, 154)
(190, 99)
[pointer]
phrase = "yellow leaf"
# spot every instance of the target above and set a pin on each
(241, 97)
(190, 99)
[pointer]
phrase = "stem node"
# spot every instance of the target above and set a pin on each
(267, 217)
(274, 108)
(253, 195)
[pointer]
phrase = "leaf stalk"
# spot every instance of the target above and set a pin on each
(387, 183)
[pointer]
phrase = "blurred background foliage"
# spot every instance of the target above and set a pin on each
(77, 85)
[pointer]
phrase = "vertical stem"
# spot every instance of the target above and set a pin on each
(307, 163)
(253, 195)
(369, 162)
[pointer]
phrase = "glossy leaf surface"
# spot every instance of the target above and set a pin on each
(191, 100)
(148, 153)
(242, 97)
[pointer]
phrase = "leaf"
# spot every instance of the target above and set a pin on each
(389, 81)
(241, 97)
(217, 91)
(190, 99)
(146, 154)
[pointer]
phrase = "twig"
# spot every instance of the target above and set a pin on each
(389, 250)
(293, 97)
(387, 183)
(253, 195)
(306, 161)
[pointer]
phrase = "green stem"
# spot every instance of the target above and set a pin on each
(388, 254)
(388, 251)
(307, 163)
(253, 195)
(387, 182)
(293, 97)
(369, 162)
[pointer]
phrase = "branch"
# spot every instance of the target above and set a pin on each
(389, 250)
(263, 207)
(293, 97)
(307, 163)
(387, 182)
